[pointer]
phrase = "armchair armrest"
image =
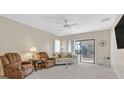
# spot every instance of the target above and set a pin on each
(50, 58)
(55, 56)
(26, 62)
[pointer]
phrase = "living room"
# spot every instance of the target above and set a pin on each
(30, 34)
(65, 46)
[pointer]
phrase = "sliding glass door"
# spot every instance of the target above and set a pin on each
(85, 49)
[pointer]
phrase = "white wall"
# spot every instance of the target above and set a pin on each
(113, 49)
(16, 37)
(117, 56)
(97, 35)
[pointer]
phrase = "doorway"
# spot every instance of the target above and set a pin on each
(85, 49)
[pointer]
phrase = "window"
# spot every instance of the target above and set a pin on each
(57, 46)
(69, 46)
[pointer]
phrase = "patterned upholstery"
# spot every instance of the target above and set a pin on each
(12, 57)
(48, 62)
(66, 56)
(42, 55)
(14, 67)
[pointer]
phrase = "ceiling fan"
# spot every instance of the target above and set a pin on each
(67, 25)
(63, 21)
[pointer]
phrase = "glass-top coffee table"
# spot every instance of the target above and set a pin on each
(67, 62)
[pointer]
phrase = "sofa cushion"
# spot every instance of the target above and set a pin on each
(13, 66)
(69, 56)
(63, 55)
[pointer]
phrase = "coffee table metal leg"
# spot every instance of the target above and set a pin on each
(66, 65)
(35, 68)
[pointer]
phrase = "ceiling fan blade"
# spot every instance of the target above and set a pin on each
(73, 24)
(69, 27)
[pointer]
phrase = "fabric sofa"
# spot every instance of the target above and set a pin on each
(14, 67)
(63, 57)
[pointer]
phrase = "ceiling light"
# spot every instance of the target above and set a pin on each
(105, 19)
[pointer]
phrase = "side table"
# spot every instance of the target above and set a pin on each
(36, 64)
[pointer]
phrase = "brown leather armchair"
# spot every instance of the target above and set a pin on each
(14, 67)
(48, 62)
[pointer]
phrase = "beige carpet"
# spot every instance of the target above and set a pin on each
(81, 71)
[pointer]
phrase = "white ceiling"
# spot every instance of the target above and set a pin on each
(53, 22)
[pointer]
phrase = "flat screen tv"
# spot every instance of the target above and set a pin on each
(119, 31)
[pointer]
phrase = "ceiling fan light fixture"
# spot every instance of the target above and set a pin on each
(105, 19)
